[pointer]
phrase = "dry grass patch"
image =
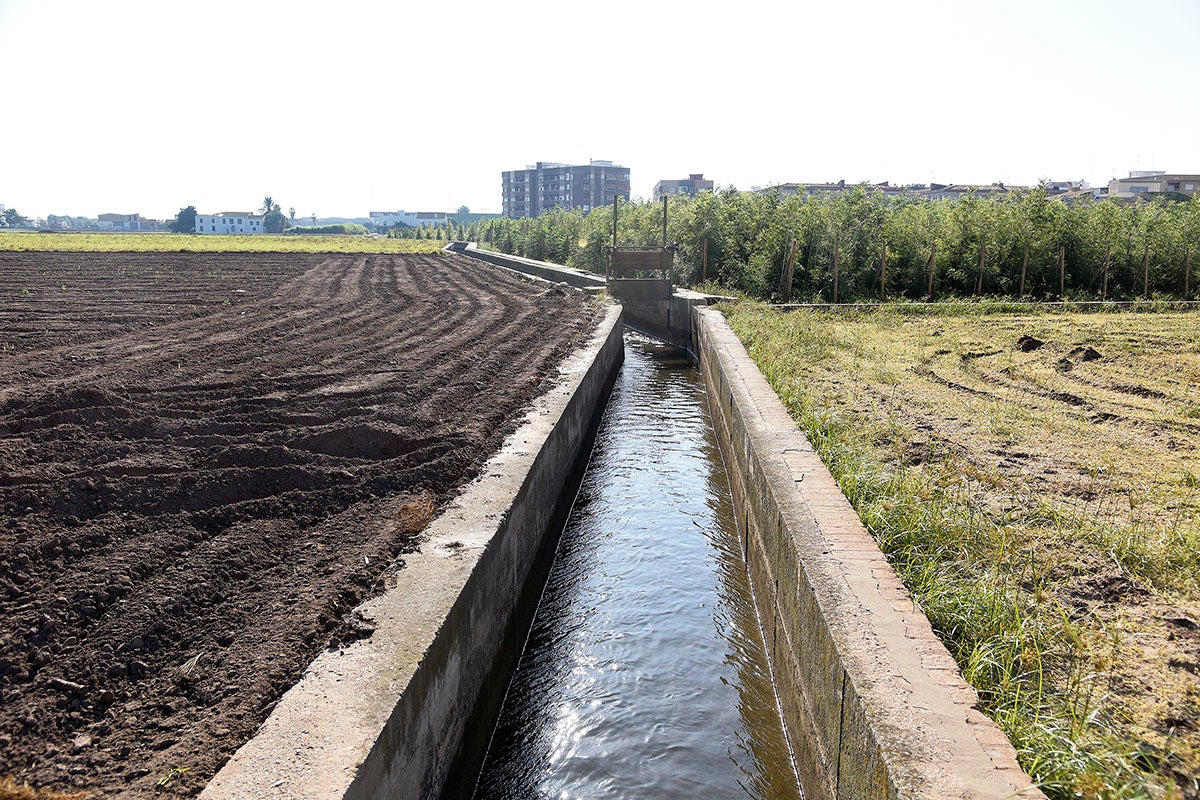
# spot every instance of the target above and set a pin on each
(196, 243)
(12, 790)
(1033, 477)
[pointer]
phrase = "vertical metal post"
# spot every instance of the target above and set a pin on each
(664, 222)
(615, 199)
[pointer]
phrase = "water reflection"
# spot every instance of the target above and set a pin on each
(644, 675)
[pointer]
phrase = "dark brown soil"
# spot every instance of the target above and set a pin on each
(206, 461)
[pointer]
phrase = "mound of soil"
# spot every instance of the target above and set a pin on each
(206, 461)
(1027, 344)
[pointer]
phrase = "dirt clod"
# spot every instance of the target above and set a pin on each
(1028, 343)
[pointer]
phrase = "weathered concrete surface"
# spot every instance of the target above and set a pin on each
(874, 705)
(385, 716)
(578, 278)
(640, 290)
(669, 320)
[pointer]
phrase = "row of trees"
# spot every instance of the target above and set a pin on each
(858, 245)
(445, 231)
(11, 219)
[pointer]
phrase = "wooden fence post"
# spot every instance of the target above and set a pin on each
(836, 255)
(1146, 270)
(1062, 271)
(932, 258)
(982, 259)
(783, 268)
(1107, 259)
(1187, 272)
(883, 273)
(1024, 269)
(791, 271)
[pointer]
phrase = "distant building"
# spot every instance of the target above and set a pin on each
(691, 187)
(1067, 186)
(120, 222)
(229, 222)
(786, 190)
(411, 219)
(1152, 183)
(529, 192)
(941, 191)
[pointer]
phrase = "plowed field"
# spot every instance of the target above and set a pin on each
(206, 460)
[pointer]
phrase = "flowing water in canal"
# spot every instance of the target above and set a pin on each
(644, 675)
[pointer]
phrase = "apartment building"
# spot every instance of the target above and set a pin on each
(531, 191)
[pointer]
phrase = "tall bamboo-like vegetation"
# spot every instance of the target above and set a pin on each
(1015, 245)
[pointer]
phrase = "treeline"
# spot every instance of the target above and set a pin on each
(860, 246)
(445, 231)
(339, 228)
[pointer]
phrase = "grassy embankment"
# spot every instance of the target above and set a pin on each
(1040, 504)
(194, 243)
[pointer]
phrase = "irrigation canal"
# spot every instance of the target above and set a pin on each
(645, 674)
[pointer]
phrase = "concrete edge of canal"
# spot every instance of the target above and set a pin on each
(388, 715)
(874, 704)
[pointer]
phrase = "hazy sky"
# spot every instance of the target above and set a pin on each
(342, 108)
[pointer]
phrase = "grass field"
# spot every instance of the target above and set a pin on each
(194, 243)
(1033, 478)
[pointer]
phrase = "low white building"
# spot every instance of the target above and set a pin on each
(229, 222)
(120, 222)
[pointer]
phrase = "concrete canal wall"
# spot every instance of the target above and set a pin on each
(388, 716)
(874, 704)
(578, 278)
